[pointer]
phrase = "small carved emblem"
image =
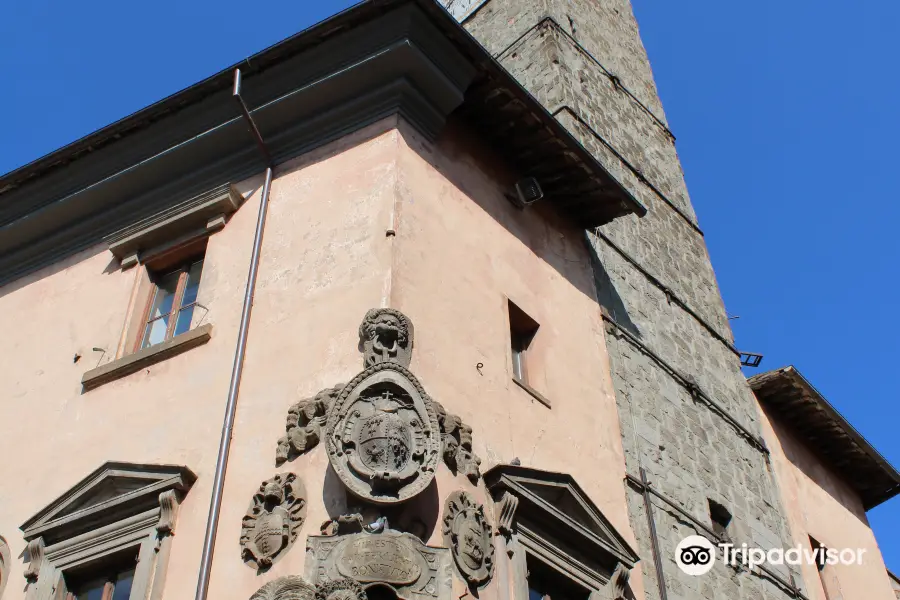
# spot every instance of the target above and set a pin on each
(290, 587)
(273, 520)
(468, 535)
(305, 420)
(383, 435)
(340, 589)
(386, 335)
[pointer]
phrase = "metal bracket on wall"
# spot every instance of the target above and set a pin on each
(689, 383)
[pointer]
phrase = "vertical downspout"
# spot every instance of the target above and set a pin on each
(654, 540)
(215, 503)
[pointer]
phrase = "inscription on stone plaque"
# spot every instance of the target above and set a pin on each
(379, 558)
(415, 571)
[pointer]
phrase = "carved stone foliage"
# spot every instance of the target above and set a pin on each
(415, 571)
(468, 535)
(386, 335)
(383, 435)
(456, 445)
(340, 589)
(291, 587)
(274, 519)
(304, 424)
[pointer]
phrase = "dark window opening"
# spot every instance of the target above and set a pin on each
(827, 576)
(522, 330)
(546, 583)
(380, 592)
(176, 281)
(110, 579)
(720, 518)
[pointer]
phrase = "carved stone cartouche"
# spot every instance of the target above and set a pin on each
(386, 335)
(276, 514)
(304, 424)
(290, 587)
(383, 436)
(468, 535)
(400, 560)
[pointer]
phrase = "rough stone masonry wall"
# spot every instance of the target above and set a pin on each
(583, 59)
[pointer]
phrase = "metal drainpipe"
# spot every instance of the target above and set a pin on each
(215, 503)
(654, 540)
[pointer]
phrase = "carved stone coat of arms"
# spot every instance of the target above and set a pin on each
(468, 535)
(274, 519)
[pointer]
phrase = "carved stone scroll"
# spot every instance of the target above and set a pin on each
(507, 507)
(618, 583)
(304, 424)
(468, 535)
(383, 436)
(399, 560)
(274, 519)
(456, 445)
(290, 587)
(35, 553)
(168, 512)
(386, 335)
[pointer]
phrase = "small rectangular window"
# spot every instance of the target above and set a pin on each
(827, 576)
(720, 518)
(172, 301)
(522, 330)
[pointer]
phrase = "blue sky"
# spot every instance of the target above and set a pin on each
(784, 113)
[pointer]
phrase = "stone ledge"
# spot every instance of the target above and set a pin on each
(532, 392)
(141, 359)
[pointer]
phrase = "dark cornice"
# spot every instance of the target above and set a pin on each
(814, 421)
(377, 59)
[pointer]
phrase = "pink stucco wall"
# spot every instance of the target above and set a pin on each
(819, 504)
(459, 251)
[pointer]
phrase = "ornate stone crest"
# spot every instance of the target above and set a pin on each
(468, 535)
(273, 520)
(386, 335)
(383, 436)
(285, 588)
(415, 571)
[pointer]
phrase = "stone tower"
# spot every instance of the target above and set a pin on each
(687, 415)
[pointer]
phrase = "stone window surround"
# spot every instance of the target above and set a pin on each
(147, 531)
(184, 224)
(535, 532)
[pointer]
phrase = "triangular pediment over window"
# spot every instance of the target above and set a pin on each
(107, 495)
(554, 507)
